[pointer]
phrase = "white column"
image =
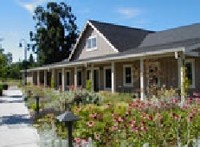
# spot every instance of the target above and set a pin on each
(92, 77)
(141, 79)
(75, 77)
(113, 77)
(182, 75)
(38, 78)
(63, 79)
(45, 78)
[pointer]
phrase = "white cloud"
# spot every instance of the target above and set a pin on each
(30, 6)
(129, 12)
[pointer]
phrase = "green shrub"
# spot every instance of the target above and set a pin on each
(89, 85)
(5, 86)
(1, 90)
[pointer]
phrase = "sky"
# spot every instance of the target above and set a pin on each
(16, 16)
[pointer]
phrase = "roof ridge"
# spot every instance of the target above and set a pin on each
(117, 25)
(179, 27)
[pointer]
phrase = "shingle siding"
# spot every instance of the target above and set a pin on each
(103, 47)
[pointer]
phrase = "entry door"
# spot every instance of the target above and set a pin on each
(95, 78)
(153, 77)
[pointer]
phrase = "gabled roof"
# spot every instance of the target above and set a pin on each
(171, 36)
(121, 37)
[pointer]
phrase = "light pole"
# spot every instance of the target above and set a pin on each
(23, 44)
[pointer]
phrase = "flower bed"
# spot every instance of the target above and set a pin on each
(136, 123)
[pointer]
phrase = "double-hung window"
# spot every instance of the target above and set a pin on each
(91, 43)
(128, 76)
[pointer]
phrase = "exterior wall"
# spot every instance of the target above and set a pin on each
(120, 87)
(169, 72)
(30, 77)
(102, 46)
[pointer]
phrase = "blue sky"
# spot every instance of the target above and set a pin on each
(16, 16)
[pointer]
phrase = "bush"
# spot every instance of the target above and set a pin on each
(1, 90)
(5, 86)
(89, 85)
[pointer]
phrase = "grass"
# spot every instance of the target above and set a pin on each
(109, 97)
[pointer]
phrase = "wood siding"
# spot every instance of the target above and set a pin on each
(103, 47)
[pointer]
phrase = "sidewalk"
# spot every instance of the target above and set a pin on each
(15, 124)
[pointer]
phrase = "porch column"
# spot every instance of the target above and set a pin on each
(63, 79)
(75, 77)
(141, 79)
(45, 78)
(181, 65)
(92, 77)
(113, 77)
(38, 78)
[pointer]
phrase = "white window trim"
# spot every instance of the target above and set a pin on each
(69, 71)
(94, 48)
(106, 88)
(192, 61)
(124, 75)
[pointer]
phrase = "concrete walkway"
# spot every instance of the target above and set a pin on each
(15, 123)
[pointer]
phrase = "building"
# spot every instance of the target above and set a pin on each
(123, 59)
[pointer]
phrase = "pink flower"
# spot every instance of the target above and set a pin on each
(94, 115)
(115, 127)
(77, 140)
(90, 123)
(97, 137)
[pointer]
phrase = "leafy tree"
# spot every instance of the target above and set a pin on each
(14, 70)
(56, 32)
(3, 64)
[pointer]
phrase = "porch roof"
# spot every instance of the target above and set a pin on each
(186, 46)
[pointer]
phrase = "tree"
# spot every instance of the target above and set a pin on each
(3, 64)
(56, 32)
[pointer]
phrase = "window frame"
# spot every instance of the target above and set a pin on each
(91, 48)
(124, 75)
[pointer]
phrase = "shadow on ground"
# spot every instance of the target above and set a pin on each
(15, 119)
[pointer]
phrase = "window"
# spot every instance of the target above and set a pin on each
(128, 79)
(59, 78)
(67, 78)
(107, 78)
(79, 78)
(190, 71)
(91, 43)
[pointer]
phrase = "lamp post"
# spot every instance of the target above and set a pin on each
(23, 44)
(68, 117)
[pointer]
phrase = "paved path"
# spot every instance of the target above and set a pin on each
(15, 124)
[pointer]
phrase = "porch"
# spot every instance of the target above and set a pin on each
(142, 75)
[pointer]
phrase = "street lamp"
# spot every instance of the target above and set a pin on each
(23, 44)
